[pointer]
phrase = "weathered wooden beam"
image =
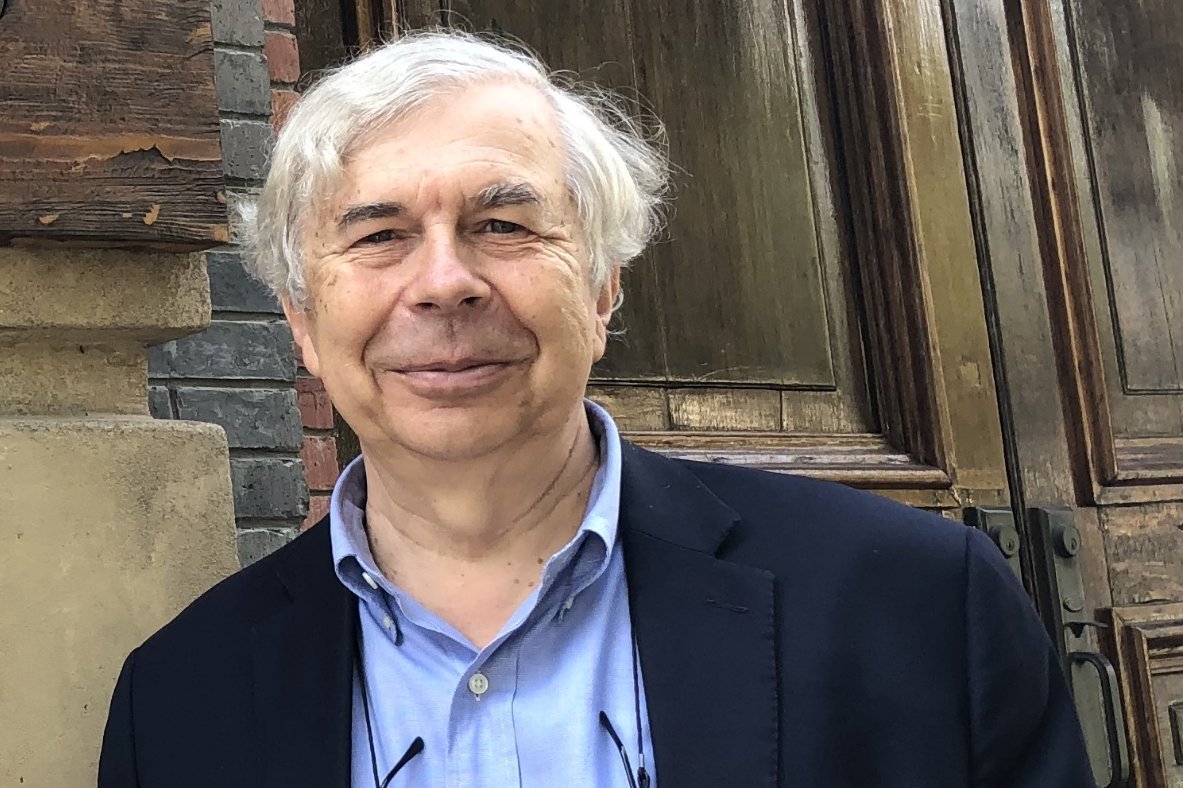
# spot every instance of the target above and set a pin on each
(109, 129)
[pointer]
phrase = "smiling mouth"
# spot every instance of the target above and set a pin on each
(454, 366)
(462, 378)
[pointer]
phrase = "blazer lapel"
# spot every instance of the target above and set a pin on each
(303, 661)
(706, 631)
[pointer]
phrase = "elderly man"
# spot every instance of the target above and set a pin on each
(505, 593)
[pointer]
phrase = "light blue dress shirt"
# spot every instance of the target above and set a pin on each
(524, 710)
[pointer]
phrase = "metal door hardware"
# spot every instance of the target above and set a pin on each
(999, 525)
(1060, 587)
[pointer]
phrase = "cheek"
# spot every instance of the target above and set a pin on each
(564, 319)
(351, 310)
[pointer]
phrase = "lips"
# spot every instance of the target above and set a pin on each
(454, 378)
(456, 365)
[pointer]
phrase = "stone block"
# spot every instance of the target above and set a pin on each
(269, 487)
(160, 403)
(256, 543)
(242, 81)
(233, 350)
(237, 22)
(245, 147)
(253, 418)
(158, 360)
(110, 527)
(232, 289)
(91, 292)
(62, 377)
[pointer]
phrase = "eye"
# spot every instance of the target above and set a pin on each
(380, 237)
(502, 227)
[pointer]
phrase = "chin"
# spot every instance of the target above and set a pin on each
(455, 433)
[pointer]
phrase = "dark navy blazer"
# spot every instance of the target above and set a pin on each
(792, 633)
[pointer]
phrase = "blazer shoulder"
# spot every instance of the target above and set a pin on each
(781, 512)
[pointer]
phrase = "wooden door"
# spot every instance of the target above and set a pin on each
(1073, 121)
(931, 248)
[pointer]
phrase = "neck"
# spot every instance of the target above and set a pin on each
(451, 533)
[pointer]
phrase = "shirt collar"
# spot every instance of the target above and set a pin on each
(353, 561)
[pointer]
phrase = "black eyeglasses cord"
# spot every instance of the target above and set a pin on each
(642, 776)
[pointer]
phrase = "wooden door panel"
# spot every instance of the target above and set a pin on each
(1145, 548)
(1127, 60)
(1123, 111)
(724, 79)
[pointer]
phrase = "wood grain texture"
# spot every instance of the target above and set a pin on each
(109, 124)
(927, 337)
(1127, 60)
(1144, 545)
(321, 34)
(993, 97)
(893, 304)
(413, 14)
(725, 410)
(633, 408)
(741, 280)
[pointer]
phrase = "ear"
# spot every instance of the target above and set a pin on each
(605, 305)
(300, 321)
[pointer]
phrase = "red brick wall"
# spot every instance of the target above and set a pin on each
(283, 56)
(320, 444)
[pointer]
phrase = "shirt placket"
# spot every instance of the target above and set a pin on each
(480, 723)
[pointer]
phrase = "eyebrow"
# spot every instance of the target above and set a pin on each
(371, 210)
(501, 195)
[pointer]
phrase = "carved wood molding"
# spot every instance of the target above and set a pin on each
(883, 219)
(863, 461)
(1146, 645)
(913, 232)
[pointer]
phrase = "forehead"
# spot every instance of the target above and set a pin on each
(460, 143)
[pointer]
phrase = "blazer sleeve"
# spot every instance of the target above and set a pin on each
(1024, 729)
(117, 762)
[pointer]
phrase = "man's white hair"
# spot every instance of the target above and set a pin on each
(617, 172)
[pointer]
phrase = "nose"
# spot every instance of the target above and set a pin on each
(443, 280)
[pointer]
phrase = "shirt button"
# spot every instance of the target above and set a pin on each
(387, 622)
(478, 684)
